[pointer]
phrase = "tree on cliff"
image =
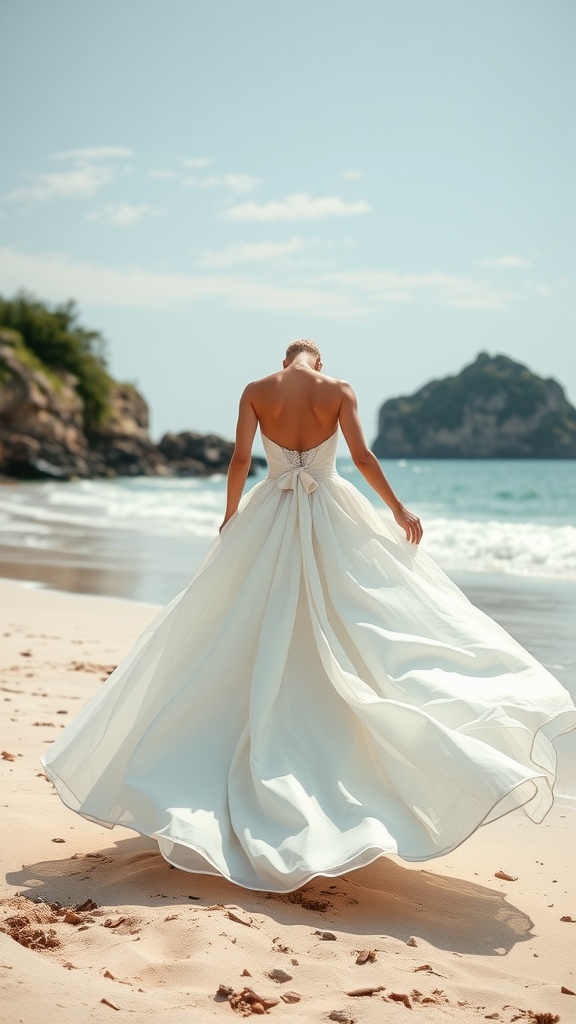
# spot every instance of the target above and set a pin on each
(63, 417)
(60, 342)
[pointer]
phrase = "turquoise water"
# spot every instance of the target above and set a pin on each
(512, 517)
(534, 491)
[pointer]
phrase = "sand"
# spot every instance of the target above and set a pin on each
(458, 942)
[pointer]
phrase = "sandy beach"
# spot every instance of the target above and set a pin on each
(103, 924)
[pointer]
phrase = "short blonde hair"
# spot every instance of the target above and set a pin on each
(304, 345)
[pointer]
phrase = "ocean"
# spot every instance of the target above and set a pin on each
(481, 516)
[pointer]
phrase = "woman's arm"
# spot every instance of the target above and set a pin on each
(242, 455)
(367, 463)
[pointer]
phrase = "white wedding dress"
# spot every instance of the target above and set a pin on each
(319, 695)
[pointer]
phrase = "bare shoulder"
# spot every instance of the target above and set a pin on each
(342, 387)
(254, 388)
(262, 383)
(333, 382)
(348, 390)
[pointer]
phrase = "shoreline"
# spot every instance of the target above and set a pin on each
(160, 940)
(538, 611)
(95, 572)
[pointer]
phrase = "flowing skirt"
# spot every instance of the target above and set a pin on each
(320, 694)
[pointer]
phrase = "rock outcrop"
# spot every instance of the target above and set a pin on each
(188, 452)
(43, 432)
(41, 421)
(121, 442)
(494, 408)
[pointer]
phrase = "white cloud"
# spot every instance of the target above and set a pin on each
(94, 153)
(331, 294)
(442, 289)
(123, 215)
(352, 175)
(87, 176)
(234, 182)
(162, 174)
(505, 261)
(81, 182)
(54, 275)
(300, 206)
(255, 252)
(196, 162)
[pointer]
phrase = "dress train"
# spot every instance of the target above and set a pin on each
(319, 695)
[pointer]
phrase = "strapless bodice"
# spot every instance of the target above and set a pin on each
(288, 465)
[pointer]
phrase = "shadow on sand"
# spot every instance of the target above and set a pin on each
(383, 899)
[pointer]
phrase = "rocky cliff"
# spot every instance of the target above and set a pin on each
(493, 408)
(44, 431)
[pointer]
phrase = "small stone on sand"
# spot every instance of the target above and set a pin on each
(277, 974)
(365, 956)
(401, 997)
(290, 997)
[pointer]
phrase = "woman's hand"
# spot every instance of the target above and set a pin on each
(227, 517)
(409, 523)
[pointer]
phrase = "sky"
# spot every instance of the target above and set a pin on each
(213, 180)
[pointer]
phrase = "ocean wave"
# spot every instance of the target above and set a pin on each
(45, 515)
(523, 549)
(143, 506)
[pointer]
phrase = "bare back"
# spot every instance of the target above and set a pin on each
(297, 407)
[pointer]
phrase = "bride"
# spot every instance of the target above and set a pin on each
(302, 404)
(321, 693)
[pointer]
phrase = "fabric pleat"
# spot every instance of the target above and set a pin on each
(319, 695)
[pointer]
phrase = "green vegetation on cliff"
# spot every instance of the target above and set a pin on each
(63, 417)
(495, 407)
(13, 338)
(54, 340)
(442, 403)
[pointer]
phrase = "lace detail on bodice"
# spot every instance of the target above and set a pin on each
(289, 464)
(297, 459)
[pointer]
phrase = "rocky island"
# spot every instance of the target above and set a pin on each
(495, 408)
(63, 416)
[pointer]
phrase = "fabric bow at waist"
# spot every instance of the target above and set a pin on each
(288, 481)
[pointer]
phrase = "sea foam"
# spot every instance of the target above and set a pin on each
(472, 522)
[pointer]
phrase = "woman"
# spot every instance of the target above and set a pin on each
(300, 405)
(321, 693)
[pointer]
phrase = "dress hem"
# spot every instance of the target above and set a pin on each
(330, 872)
